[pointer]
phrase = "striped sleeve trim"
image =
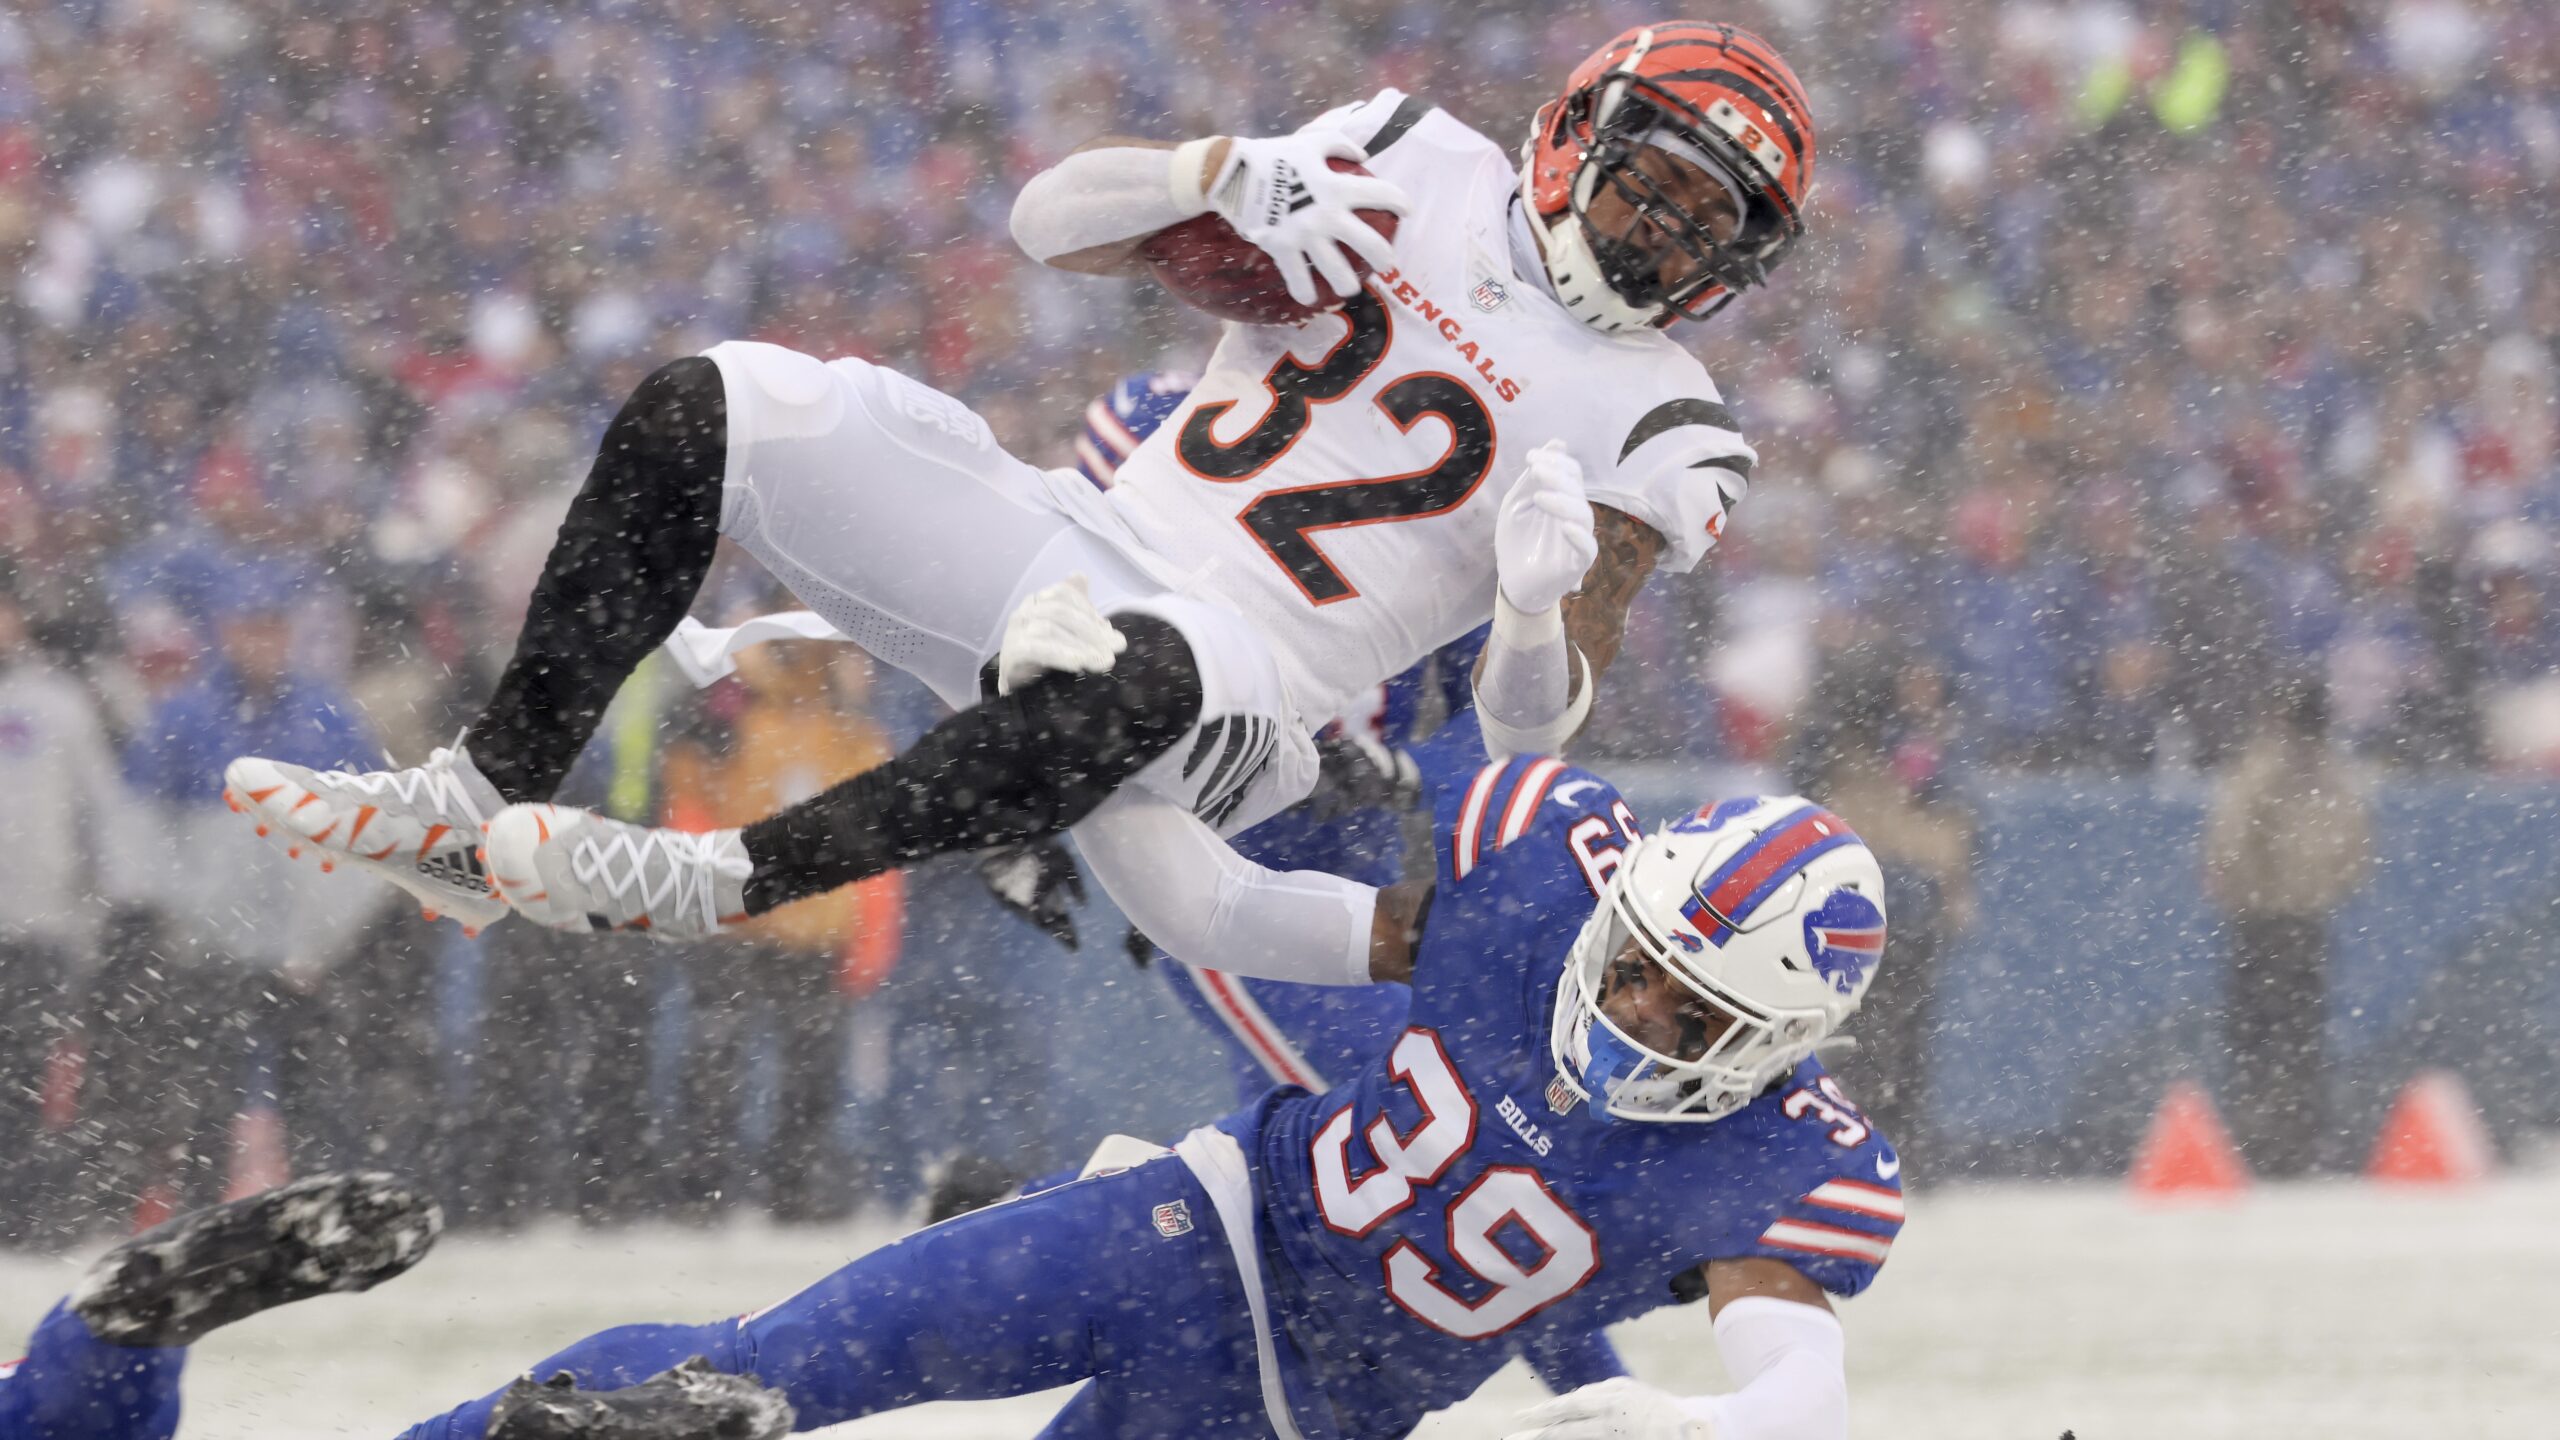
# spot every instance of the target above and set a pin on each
(1463, 852)
(1526, 797)
(1857, 1198)
(1672, 415)
(1269, 1045)
(1811, 1238)
(1501, 804)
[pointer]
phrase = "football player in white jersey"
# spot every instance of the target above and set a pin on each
(1493, 424)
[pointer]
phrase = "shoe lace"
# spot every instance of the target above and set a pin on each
(673, 872)
(438, 783)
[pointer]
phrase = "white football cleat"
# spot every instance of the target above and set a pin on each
(576, 870)
(418, 828)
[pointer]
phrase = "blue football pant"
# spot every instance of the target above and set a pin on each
(73, 1386)
(1083, 1282)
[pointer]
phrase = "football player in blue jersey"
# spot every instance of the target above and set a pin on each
(105, 1363)
(1604, 1100)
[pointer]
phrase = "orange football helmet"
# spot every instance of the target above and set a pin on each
(1716, 98)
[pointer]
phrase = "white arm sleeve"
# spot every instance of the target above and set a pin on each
(1525, 696)
(1791, 1360)
(1191, 893)
(1102, 197)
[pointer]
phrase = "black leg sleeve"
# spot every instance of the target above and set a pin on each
(1009, 768)
(638, 540)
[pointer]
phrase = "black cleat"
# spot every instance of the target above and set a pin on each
(178, 1282)
(690, 1402)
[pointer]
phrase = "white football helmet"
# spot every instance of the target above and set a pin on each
(1769, 909)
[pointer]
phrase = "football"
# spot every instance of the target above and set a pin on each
(1210, 267)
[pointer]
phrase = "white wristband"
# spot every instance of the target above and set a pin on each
(1522, 630)
(1503, 740)
(1526, 700)
(1190, 158)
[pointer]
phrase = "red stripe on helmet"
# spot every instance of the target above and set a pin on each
(1798, 837)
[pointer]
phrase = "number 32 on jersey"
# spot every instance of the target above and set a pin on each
(1285, 521)
(1504, 1197)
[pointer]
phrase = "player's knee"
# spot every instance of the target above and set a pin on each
(679, 415)
(1108, 724)
(665, 456)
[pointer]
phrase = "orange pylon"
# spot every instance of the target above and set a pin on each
(2188, 1151)
(2433, 1135)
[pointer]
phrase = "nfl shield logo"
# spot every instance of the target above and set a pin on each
(1489, 294)
(1173, 1218)
(1560, 1096)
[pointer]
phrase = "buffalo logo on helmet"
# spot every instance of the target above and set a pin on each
(1845, 938)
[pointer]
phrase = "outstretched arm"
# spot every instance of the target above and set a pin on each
(1193, 895)
(1091, 211)
(1780, 1342)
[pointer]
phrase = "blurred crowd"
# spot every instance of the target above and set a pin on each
(2140, 351)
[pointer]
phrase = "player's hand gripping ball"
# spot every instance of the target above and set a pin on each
(1282, 241)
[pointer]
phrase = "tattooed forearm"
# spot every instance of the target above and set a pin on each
(1595, 617)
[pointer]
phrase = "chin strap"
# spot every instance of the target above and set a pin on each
(1612, 1063)
(1574, 270)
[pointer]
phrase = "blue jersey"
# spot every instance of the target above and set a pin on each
(1454, 1200)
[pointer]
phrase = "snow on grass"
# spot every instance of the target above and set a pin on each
(2335, 1309)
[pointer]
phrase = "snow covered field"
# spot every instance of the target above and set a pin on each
(2330, 1310)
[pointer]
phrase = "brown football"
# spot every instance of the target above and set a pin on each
(1209, 267)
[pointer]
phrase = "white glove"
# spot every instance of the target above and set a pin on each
(1280, 194)
(1055, 629)
(1617, 1409)
(1543, 543)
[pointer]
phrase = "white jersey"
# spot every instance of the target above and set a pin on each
(1337, 481)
